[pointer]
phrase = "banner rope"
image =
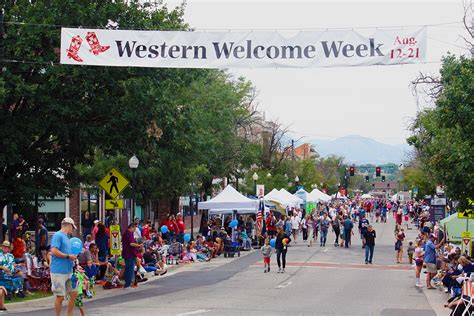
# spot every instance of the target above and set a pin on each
(444, 24)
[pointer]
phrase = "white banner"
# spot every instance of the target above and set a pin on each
(252, 49)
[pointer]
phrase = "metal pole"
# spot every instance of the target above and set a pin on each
(133, 195)
(255, 187)
(192, 216)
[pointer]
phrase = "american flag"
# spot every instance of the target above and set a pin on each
(260, 217)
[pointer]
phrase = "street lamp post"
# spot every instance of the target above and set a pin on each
(297, 181)
(133, 164)
(255, 179)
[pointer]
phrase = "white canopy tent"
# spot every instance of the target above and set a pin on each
(366, 196)
(317, 196)
(230, 199)
(275, 196)
(295, 201)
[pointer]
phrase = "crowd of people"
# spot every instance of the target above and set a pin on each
(147, 251)
(341, 217)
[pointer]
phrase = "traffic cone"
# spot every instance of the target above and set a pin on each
(93, 41)
(74, 47)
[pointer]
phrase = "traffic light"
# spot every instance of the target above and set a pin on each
(383, 178)
(377, 171)
(352, 171)
(366, 178)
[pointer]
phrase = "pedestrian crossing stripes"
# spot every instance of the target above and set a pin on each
(343, 266)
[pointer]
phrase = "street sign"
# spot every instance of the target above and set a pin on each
(115, 240)
(467, 214)
(113, 183)
(113, 204)
(260, 190)
(466, 244)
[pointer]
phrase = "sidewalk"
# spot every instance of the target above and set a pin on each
(435, 298)
(100, 293)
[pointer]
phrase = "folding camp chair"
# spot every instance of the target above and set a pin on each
(467, 297)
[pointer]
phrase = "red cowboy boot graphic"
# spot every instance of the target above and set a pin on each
(76, 43)
(93, 41)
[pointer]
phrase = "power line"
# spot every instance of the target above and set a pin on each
(444, 24)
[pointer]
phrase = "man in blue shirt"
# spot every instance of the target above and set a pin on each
(61, 267)
(347, 231)
(430, 259)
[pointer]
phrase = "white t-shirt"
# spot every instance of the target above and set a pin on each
(295, 223)
(137, 234)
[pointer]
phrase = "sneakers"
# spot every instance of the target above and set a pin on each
(282, 271)
(264, 270)
(279, 270)
(366, 262)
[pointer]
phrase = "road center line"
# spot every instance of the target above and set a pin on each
(199, 311)
(283, 285)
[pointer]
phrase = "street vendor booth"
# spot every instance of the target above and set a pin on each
(296, 201)
(318, 196)
(454, 227)
(281, 202)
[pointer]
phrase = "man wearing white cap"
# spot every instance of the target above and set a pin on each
(61, 267)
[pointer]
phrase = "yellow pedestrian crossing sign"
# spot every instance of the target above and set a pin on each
(468, 213)
(113, 183)
(113, 204)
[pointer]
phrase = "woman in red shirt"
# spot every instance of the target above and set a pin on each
(180, 226)
(146, 231)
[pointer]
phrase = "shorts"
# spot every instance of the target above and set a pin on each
(431, 267)
(266, 260)
(294, 231)
(61, 284)
(79, 302)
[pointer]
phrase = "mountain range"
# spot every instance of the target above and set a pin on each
(361, 150)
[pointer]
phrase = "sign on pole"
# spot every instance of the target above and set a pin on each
(466, 245)
(113, 183)
(115, 240)
(114, 204)
(438, 207)
(467, 214)
(260, 190)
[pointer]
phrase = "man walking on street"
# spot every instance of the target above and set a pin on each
(324, 224)
(348, 225)
(61, 267)
(129, 253)
(363, 225)
(369, 241)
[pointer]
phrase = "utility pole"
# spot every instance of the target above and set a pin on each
(292, 158)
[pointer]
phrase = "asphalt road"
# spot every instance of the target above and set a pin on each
(318, 281)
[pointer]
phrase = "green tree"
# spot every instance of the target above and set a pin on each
(414, 175)
(54, 116)
(444, 135)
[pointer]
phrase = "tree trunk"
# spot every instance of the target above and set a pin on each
(174, 204)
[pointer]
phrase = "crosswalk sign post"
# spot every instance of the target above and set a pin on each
(114, 204)
(466, 245)
(114, 183)
(115, 240)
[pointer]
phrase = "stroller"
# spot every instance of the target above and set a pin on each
(231, 248)
(13, 284)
